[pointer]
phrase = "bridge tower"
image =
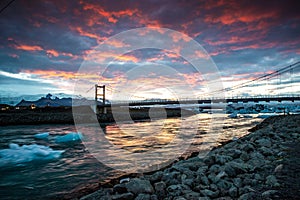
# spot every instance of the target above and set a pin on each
(100, 93)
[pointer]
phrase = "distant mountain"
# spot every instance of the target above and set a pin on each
(53, 101)
(14, 100)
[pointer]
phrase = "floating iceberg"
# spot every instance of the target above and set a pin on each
(233, 115)
(41, 135)
(16, 154)
(265, 116)
(70, 137)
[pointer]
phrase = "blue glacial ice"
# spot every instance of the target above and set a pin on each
(70, 137)
(42, 135)
(18, 155)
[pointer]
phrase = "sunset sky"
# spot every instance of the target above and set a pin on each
(44, 44)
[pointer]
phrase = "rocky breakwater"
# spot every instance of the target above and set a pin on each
(256, 166)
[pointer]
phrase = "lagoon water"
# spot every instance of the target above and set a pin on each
(26, 175)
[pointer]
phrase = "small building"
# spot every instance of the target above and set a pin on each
(5, 107)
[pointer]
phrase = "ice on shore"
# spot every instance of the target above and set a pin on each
(42, 135)
(70, 137)
(237, 110)
(265, 116)
(18, 155)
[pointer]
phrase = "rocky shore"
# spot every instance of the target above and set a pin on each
(262, 165)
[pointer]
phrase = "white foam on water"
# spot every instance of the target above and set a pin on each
(17, 155)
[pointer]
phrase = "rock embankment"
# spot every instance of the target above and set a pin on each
(253, 167)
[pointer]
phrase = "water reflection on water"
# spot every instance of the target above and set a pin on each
(77, 167)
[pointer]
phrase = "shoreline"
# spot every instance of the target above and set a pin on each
(255, 166)
(66, 115)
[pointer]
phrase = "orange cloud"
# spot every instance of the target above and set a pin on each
(117, 43)
(28, 47)
(193, 79)
(201, 54)
(51, 74)
(82, 32)
(127, 58)
(103, 56)
(52, 52)
(235, 13)
(110, 16)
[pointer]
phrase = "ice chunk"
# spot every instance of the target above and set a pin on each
(27, 153)
(233, 115)
(41, 135)
(265, 116)
(70, 137)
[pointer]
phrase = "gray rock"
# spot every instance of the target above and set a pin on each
(124, 196)
(256, 155)
(209, 193)
(269, 194)
(204, 198)
(247, 147)
(246, 189)
(264, 142)
(213, 187)
(265, 151)
(258, 177)
(179, 198)
(222, 159)
(120, 188)
(137, 186)
(238, 182)
(213, 178)
(224, 185)
(153, 197)
(204, 180)
(160, 189)
(257, 163)
(278, 169)
(209, 160)
(171, 178)
(143, 197)
(214, 169)
(175, 190)
(221, 174)
(233, 192)
(191, 195)
(192, 163)
(234, 153)
(202, 169)
(99, 194)
(156, 176)
(271, 180)
(184, 170)
(188, 182)
(244, 156)
(200, 187)
(238, 167)
(247, 196)
(230, 170)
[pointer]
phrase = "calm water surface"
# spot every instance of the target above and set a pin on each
(77, 168)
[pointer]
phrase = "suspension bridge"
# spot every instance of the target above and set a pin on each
(285, 79)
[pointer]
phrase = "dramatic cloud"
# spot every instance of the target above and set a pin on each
(47, 41)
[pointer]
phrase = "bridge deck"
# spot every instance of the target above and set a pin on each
(207, 101)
